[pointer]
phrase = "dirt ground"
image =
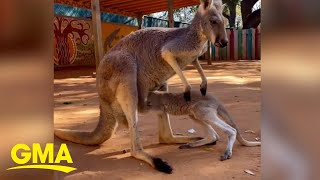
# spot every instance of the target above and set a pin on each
(236, 84)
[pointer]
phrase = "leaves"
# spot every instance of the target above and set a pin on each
(184, 14)
(208, 149)
(191, 131)
(250, 131)
(249, 172)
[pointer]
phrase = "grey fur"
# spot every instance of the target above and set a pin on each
(204, 110)
(142, 62)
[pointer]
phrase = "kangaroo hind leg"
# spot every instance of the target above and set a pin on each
(211, 135)
(127, 97)
(230, 131)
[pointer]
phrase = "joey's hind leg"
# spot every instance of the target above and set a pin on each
(166, 135)
(210, 139)
(230, 131)
(165, 132)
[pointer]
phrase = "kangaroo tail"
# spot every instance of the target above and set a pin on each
(106, 126)
(225, 115)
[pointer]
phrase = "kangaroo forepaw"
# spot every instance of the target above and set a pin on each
(225, 156)
(162, 166)
(187, 96)
(203, 88)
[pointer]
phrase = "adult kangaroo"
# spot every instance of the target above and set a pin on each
(141, 62)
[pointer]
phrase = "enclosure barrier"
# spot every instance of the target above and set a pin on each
(244, 44)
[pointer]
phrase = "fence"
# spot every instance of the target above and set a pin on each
(244, 44)
(149, 21)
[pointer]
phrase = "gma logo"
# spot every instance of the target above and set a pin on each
(41, 159)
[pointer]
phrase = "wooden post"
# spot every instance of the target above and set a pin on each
(170, 14)
(97, 31)
(228, 46)
(236, 44)
(231, 40)
(140, 22)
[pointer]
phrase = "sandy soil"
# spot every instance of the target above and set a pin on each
(236, 84)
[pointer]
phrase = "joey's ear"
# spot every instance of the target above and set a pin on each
(205, 4)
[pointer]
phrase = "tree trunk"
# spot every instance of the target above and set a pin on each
(253, 20)
(233, 14)
(246, 9)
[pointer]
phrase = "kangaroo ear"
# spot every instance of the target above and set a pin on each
(205, 4)
(224, 6)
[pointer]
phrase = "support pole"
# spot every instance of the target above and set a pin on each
(97, 31)
(170, 13)
(140, 21)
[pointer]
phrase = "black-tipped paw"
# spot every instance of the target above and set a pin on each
(187, 96)
(185, 146)
(212, 143)
(203, 90)
(162, 166)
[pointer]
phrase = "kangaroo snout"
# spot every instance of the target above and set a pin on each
(222, 43)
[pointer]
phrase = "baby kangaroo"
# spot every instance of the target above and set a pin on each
(203, 110)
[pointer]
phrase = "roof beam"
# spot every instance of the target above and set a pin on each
(119, 12)
(73, 3)
(115, 2)
(141, 3)
(130, 8)
(154, 7)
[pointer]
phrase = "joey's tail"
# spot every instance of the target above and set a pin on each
(103, 131)
(225, 115)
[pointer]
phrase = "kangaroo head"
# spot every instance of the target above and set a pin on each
(212, 22)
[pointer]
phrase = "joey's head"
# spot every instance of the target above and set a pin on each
(212, 22)
(154, 100)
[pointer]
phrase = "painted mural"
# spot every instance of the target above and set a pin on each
(73, 40)
(112, 33)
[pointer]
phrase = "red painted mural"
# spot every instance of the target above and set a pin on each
(73, 40)
(67, 35)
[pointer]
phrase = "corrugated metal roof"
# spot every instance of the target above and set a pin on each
(132, 8)
(65, 10)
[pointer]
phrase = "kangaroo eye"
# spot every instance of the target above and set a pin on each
(213, 21)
